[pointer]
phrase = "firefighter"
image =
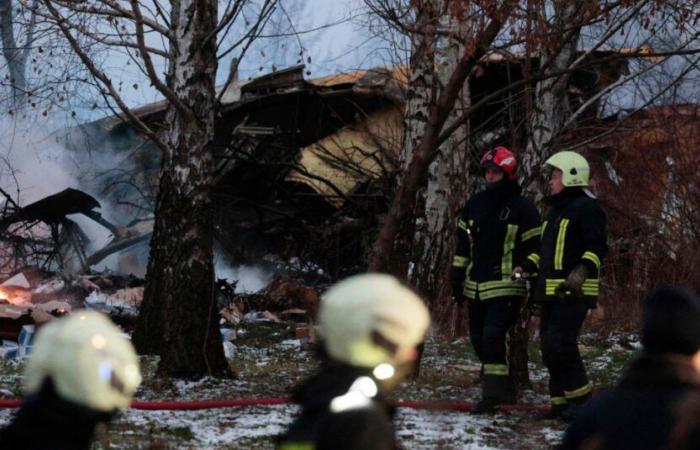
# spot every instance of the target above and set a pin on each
(497, 230)
(369, 326)
(568, 265)
(649, 407)
(82, 371)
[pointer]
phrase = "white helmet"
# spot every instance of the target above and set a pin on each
(354, 309)
(90, 361)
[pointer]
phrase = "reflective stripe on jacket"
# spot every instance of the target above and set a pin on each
(573, 233)
(497, 230)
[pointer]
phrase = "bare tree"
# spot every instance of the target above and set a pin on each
(401, 207)
(177, 48)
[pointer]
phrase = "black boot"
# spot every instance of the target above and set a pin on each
(495, 391)
(555, 412)
(574, 407)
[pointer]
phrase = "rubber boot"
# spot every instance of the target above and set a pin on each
(495, 391)
(554, 413)
(574, 407)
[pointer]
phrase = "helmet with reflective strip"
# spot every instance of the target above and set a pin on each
(501, 158)
(574, 167)
(355, 309)
(88, 358)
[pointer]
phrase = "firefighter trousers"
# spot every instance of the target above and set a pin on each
(490, 321)
(560, 325)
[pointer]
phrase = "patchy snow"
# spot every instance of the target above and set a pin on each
(449, 371)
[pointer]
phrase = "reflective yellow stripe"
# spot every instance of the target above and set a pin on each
(471, 222)
(544, 225)
(296, 446)
(492, 289)
(529, 234)
(506, 292)
(508, 245)
(559, 249)
(470, 289)
(460, 261)
(535, 258)
(462, 225)
(496, 369)
(558, 401)
(580, 392)
(590, 286)
(486, 285)
(593, 258)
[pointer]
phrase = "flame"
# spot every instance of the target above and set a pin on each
(17, 299)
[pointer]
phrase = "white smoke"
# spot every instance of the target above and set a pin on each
(249, 278)
(34, 165)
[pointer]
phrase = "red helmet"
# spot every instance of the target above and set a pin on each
(501, 158)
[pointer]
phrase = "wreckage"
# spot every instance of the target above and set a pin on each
(305, 168)
(42, 235)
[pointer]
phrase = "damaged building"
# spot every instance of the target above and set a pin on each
(305, 168)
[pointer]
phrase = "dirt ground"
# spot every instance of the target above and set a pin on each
(268, 363)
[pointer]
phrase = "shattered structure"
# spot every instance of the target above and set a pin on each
(305, 168)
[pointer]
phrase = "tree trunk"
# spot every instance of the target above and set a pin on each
(445, 193)
(402, 206)
(551, 105)
(16, 58)
(550, 112)
(180, 276)
(419, 98)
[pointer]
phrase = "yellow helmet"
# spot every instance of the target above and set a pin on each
(574, 168)
(88, 358)
(354, 309)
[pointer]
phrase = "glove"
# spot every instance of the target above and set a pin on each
(573, 283)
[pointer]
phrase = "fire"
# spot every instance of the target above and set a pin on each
(15, 297)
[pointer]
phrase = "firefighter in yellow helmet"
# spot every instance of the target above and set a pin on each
(568, 266)
(83, 370)
(369, 327)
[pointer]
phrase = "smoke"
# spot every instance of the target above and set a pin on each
(249, 278)
(34, 165)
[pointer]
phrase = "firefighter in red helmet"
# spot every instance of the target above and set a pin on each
(497, 230)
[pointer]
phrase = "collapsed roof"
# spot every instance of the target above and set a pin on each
(295, 154)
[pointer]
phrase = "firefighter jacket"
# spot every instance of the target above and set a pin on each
(573, 233)
(334, 416)
(642, 411)
(497, 230)
(46, 421)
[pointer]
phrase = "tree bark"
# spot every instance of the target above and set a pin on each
(445, 191)
(421, 93)
(551, 105)
(180, 276)
(402, 204)
(16, 57)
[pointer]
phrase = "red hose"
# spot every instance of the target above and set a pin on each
(190, 405)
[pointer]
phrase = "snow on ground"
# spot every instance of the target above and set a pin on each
(269, 364)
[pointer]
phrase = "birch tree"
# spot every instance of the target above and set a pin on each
(411, 179)
(177, 46)
(447, 177)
